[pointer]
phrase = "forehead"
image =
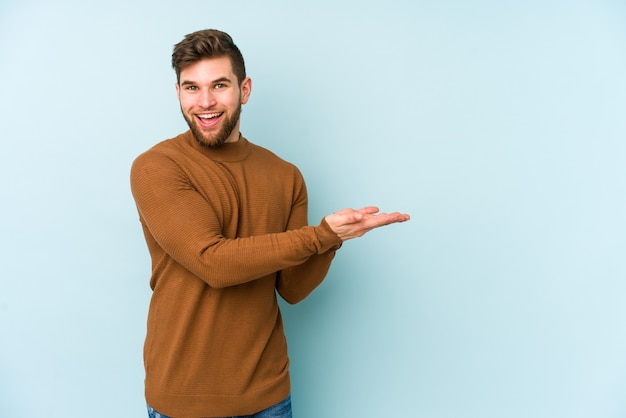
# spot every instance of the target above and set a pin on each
(208, 69)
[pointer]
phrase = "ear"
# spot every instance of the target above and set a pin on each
(177, 89)
(246, 89)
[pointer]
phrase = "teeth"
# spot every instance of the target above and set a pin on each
(209, 116)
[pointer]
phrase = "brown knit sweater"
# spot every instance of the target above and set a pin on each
(225, 229)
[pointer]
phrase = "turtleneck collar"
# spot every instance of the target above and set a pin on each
(230, 151)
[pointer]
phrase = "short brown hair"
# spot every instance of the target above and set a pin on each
(208, 43)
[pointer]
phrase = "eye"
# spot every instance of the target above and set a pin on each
(220, 86)
(191, 88)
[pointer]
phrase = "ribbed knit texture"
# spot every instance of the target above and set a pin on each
(225, 229)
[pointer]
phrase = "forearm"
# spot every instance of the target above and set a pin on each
(297, 282)
(229, 262)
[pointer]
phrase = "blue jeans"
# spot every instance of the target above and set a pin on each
(280, 410)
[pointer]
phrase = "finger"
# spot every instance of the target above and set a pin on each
(398, 217)
(344, 217)
(383, 219)
(368, 210)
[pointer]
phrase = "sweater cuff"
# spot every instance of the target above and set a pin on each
(329, 241)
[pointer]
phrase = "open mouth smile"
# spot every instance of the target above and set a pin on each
(208, 120)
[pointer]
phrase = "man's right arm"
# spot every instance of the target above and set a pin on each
(189, 230)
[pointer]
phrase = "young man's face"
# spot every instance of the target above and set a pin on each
(210, 98)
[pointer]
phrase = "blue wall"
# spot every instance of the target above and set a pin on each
(499, 126)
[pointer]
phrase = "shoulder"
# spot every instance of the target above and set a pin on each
(272, 158)
(161, 157)
(171, 148)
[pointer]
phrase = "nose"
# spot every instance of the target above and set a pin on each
(206, 99)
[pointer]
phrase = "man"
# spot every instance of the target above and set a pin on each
(225, 223)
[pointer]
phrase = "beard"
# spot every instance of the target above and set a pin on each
(219, 138)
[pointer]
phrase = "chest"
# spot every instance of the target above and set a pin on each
(248, 197)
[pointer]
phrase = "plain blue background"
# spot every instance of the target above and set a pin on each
(498, 125)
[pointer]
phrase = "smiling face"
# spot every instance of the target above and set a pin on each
(210, 97)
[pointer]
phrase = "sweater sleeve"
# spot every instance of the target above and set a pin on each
(296, 282)
(187, 228)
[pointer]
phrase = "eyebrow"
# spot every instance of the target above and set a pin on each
(222, 79)
(219, 80)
